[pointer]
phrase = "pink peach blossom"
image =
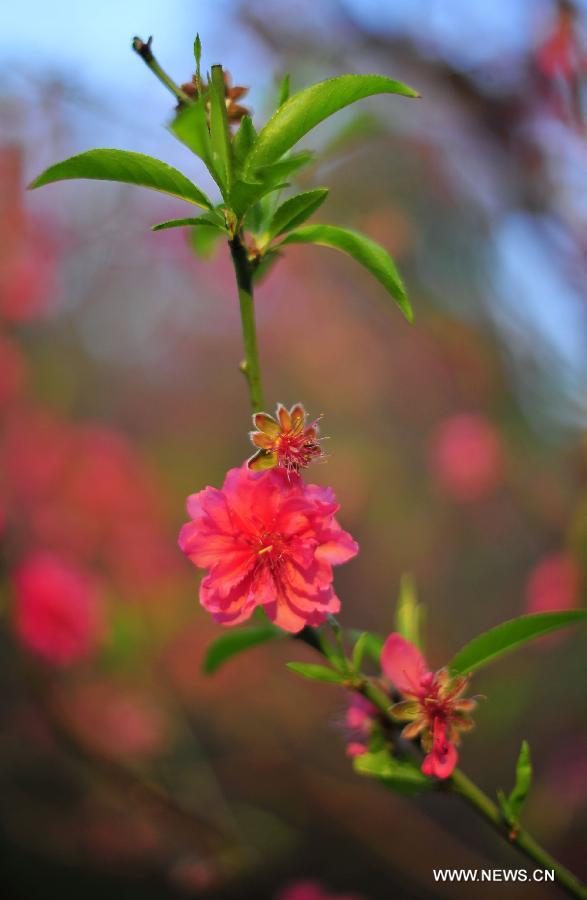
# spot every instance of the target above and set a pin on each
(360, 716)
(433, 707)
(553, 584)
(267, 539)
(57, 609)
(466, 457)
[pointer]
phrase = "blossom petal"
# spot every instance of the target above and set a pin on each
(404, 665)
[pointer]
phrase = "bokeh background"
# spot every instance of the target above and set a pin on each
(456, 448)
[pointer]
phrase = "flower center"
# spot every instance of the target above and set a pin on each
(271, 550)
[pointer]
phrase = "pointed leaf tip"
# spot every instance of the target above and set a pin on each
(127, 167)
(365, 251)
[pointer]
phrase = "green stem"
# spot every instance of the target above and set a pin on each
(144, 51)
(475, 797)
(244, 279)
(462, 785)
(459, 782)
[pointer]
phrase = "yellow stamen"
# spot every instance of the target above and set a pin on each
(266, 549)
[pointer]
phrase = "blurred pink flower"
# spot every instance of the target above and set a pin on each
(114, 719)
(552, 584)
(466, 457)
(12, 372)
(432, 708)
(267, 539)
(359, 720)
(57, 609)
(312, 890)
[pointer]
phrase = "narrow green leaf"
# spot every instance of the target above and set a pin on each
(204, 241)
(180, 223)
(198, 52)
(365, 251)
(315, 672)
(236, 641)
(511, 806)
(505, 637)
(306, 109)
(373, 643)
(296, 210)
(219, 127)
(190, 126)
(401, 776)
(284, 168)
(127, 167)
(283, 95)
(523, 783)
(243, 140)
(359, 652)
(409, 613)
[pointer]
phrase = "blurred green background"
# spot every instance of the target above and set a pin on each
(456, 447)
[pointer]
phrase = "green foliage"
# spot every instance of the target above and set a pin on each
(409, 614)
(250, 166)
(359, 652)
(295, 210)
(505, 637)
(219, 130)
(365, 251)
(283, 95)
(236, 641)
(127, 167)
(306, 109)
(372, 644)
(315, 672)
(190, 126)
(198, 53)
(401, 776)
(512, 806)
(243, 140)
(211, 220)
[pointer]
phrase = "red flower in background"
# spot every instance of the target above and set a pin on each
(466, 457)
(57, 611)
(433, 707)
(359, 720)
(13, 372)
(267, 539)
(312, 890)
(553, 584)
(27, 253)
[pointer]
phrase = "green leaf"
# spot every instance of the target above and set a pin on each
(315, 672)
(402, 776)
(306, 109)
(512, 806)
(243, 140)
(523, 783)
(127, 167)
(190, 126)
(365, 251)
(204, 241)
(372, 644)
(409, 613)
(283, 95)
(198, 52)
(219, 128)
(296, 210)
(180, 223)
(285, 168)
(359, 652)
(233, 642)
(505, 637)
